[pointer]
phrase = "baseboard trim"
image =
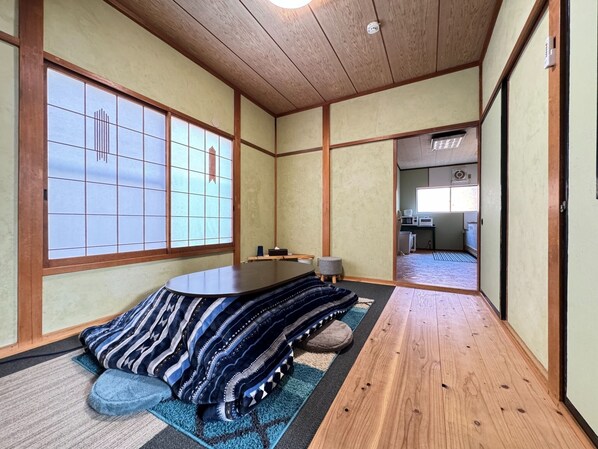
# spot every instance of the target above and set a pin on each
(582, 424)
(52, 337)
(369, 280)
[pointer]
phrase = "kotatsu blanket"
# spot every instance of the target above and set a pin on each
(224, 353)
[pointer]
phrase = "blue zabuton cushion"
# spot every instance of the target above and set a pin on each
(120, 393)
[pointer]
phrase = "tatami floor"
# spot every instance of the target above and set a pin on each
(421, 268)
(439, 371)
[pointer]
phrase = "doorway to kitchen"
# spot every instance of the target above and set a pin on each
(437, 208)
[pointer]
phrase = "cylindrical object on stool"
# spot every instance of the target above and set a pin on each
(330, 266)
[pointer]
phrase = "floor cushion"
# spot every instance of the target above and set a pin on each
(332, 337)
(117, 392)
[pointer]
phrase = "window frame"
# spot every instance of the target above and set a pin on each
(73, 264)
(450, 211)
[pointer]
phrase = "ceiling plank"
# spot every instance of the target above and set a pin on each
(362, 55)
(410, 29)
(298, 34)
(463, 28)
(175, 27)
(231, 23)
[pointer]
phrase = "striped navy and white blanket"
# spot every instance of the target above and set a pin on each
(224, 353)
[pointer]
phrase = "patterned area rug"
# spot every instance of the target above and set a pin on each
(450, 256)
(264, 426)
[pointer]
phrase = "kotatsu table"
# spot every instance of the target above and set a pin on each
(239, 279)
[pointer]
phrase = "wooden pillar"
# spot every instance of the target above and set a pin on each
(237, 180)
(31, 170)
(326, 180)
(557, 154)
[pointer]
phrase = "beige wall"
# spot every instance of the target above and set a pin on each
(509, 24)
(95, 36)
(582, 332)
(444, 100)
(300, 131)
(299, 203)
(490, 191)
(528, 197)
(257, 126)
(9, 92)
(75, 298)
(257, 201)
(9, 16)
(361, 213)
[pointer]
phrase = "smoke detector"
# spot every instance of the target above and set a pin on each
(373, 27)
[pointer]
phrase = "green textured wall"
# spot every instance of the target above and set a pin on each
(509, 24)
(9, 91)
(449, 226)
(299, 203)
(444, 100)
(300, 131)
(75, 298)
(527, 267)
(257, 126)
(361, 209)
(95, 36)
(582, 306)
(490, 191)
(9, 17)
(257, 201)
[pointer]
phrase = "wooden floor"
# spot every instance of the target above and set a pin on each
(421, 268)
(439, 371)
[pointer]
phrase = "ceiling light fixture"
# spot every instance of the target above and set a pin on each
(290, 4)
(372, 28)
(447, 141)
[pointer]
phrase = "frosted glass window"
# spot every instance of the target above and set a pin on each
(154, 123)
(130, 201)
(197, 161)
(66, 162)
(197, 137)
(434, 200)
(179, 131)
(66, 197)
(101, 230)
(464, 199)
(97, 99)
(130, 114)
(130, 143)
(66, 92)
(101, 198)
(447, 199)
(202, 167)
(130, 230)
(66, 127)
(130, 172)
(155, 150)
(106, 171)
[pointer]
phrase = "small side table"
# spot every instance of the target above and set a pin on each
(292, 257)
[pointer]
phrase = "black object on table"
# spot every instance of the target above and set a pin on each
(239, 279)
(414, 229)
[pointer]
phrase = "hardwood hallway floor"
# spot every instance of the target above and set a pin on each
(439, 371)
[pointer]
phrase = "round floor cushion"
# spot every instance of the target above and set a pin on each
(332, 337)
(118, 393)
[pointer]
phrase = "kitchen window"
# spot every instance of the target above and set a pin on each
(447, 199)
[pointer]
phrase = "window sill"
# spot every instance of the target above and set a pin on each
(95, 262)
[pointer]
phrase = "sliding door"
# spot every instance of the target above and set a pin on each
(491, 203)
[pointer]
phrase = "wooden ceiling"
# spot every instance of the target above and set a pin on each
(416, 152)
(289, 59)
